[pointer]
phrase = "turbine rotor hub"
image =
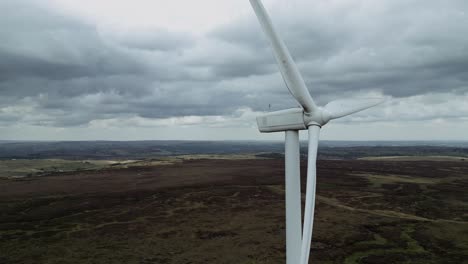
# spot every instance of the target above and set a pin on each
(320, 117)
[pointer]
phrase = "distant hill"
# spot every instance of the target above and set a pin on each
(145, 149)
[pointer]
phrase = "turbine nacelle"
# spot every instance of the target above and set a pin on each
(283, 120)
(291, 119)
(298, 119)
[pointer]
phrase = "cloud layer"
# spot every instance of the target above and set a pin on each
(62, 71)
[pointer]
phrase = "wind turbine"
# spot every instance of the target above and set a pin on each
(310, 117)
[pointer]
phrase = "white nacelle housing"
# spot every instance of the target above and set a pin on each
(289, 119)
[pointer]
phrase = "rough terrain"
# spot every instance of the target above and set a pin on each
(232, 211)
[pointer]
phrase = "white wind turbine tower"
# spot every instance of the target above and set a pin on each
(310, 117)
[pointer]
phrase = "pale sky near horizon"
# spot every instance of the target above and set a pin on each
(201, 70)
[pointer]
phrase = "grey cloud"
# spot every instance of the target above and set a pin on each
(224, 59)
(69, 53)
(241, 68)
(401, 47)
(307, 40)
(62, 72)
(154, 39)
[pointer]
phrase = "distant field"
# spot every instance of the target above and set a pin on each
(221, 209)
(16, 168)
(417, 158)
(36, 167)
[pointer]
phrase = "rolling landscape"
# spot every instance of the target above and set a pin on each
(194, 132)
(223, 202)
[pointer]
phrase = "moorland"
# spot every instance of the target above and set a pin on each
(400, 204)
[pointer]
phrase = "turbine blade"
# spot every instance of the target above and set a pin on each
(340, 108)
(314, 132)
(291, 75)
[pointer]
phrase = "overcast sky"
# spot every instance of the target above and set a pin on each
(158, 69)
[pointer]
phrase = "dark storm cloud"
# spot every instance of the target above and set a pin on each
(60, 71)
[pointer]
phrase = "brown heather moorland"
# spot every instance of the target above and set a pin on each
(232, 211)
